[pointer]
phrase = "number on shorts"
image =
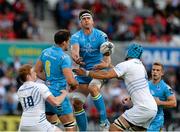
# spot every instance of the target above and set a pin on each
(47, 68)
(28, 101)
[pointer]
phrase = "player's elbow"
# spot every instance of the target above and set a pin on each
(174, 103)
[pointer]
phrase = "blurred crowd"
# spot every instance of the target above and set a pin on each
(17, 23)
(113, 92)
(125, 20)
(151, 21)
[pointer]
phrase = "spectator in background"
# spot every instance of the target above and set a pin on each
(11, 101)
(34, 31)
(2, 98)
(39, 9)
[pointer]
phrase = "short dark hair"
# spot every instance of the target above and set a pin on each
(61, 36)
(83, 12)
(159, 64)
(23, 71)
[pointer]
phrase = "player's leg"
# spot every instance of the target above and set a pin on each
(65, 114)
(79, 98)
(156, 124)
(94, 89)
(68, 122)
(52, 118)
(51, 114)
(121, 124)
(136, 118)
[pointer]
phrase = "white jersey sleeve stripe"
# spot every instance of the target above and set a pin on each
(135, 89)
(137, 85)
(134, 81)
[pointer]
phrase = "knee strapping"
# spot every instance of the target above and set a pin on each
(118, 123)
(77, 95)
(98, 83)
(70, 124)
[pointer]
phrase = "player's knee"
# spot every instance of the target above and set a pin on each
(70, 125)
(77, 97)
(94, 90)
(77, 104)
(114, 128)
(52, 117)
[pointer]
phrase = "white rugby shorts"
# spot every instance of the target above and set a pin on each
(140, 116)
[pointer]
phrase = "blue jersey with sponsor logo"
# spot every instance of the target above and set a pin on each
(54, 60)
(162, 91)
(89, 46)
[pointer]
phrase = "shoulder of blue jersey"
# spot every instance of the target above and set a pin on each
(169, 88)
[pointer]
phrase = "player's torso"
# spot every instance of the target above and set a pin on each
(135, 77)
(32, 103)
(158, 90)
(90, 48)
(137, 85)
(52, 60)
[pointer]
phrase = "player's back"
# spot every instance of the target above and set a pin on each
(31, 97)
(53, 59)
(135, 77)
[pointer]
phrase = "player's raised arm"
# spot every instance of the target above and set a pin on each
(75, 51)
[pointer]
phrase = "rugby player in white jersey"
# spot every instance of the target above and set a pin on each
(32, 97)
(134, 74)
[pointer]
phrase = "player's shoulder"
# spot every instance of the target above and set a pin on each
(99, 32)
(65, 56)
(47, 49)
(165, 85)
(76, 34)
(39, 85)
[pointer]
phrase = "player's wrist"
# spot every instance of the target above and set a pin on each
(87, 73)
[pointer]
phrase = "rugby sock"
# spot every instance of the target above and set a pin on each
(81, 120)
(100, 106)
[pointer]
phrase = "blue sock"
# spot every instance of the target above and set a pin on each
(81, 120)
(100, 106)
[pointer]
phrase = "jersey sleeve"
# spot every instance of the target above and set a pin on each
(44, 91)
(168, 91)
(40, 57)
(120, 69)
(66, 62)
(103, 37)
(74, 39)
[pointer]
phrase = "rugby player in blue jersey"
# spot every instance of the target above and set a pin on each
(85, 49)
(55, 67)
(163, 95)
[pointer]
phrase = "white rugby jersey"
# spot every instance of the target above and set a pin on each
(32, 97)
(135, 76)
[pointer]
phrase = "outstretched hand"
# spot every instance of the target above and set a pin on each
(79, 71)
(79, 61)
(101, 65)
(64, 92)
